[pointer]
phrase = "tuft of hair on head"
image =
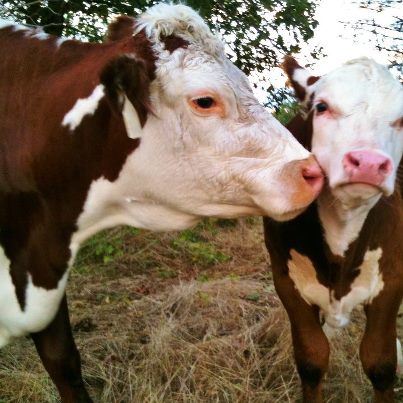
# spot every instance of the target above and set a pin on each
(166, 20)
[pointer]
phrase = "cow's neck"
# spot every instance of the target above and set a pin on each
(341, 223)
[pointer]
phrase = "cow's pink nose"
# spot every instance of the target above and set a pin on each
(367, 166)
(313, 176)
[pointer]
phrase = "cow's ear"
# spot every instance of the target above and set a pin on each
(122, 27)
(299, 78)
(127, 86)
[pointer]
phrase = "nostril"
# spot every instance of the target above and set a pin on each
(313, 176)
(386, 167)
(311, 173)
(352, 161)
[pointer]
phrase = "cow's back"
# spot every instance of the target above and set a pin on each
(40, 82)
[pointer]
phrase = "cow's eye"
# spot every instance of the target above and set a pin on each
(321, 107)
(207, 104)
(204, 102)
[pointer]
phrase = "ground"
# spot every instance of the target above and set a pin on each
(182, 317)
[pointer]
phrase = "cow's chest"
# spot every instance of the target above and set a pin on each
(39, 309)
(367, 285)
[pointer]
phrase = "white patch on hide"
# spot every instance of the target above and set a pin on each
(366, 286)
(108, 205)
(301, 77)
(342, 223)
(83, 107)
(40, 304)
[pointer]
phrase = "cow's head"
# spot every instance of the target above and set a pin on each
(357, 137)
(207, 148)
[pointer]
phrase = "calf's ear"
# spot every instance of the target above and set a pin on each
(127, 86)
(299, 78)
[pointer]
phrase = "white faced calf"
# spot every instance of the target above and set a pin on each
(347, 248)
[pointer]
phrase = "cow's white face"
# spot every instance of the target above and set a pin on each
(207, 147)
(213, 150)
(357, 129)
(221, 153)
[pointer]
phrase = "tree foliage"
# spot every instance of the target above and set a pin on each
(258, 32)
(385, 34)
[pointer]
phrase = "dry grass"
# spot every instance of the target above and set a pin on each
(170, 318)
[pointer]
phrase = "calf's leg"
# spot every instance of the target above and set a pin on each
(311, 347)
(378, 346)
(59, 354)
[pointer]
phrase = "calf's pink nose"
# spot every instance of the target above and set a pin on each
(367, 166)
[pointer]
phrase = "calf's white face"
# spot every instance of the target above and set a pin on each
(357, 129)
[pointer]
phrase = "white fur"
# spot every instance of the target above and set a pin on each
(301, 77)
(83, 107)
(342, 222)
(366, 286)
(40, 304)
(167, 19)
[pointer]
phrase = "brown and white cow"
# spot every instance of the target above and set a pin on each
(155, 128)
(347, 248)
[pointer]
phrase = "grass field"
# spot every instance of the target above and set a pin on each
(182, 317)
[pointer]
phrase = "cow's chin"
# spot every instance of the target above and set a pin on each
(282, 208)
(289, 215)
(355, 194)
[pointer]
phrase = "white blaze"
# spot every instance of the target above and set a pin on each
(83, 107)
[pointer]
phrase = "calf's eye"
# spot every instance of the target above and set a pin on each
(204, 102)
(321, 107)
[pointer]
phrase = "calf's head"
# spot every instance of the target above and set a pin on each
(357, 135)
(207, 148)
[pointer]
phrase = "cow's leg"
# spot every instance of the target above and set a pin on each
(378, 346)
(311, 347)
(59, 354)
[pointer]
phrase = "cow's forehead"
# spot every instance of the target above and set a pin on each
(362, 84)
